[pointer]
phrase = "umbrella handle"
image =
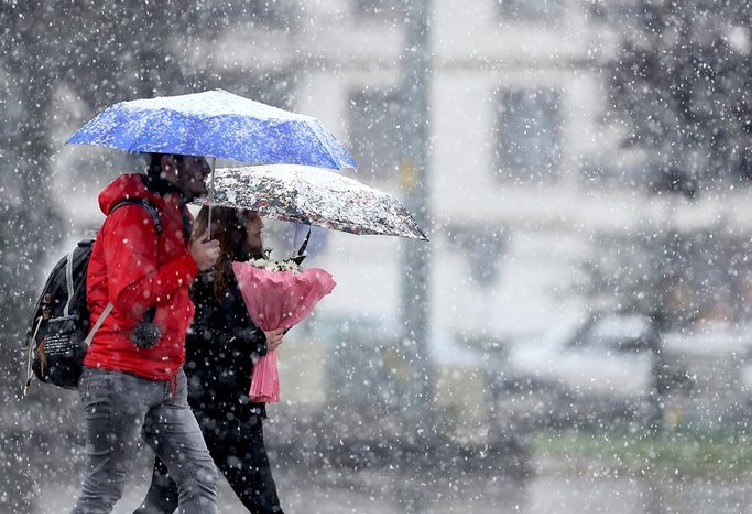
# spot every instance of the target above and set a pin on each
(211, 194)
(301, 255)
(295, 237)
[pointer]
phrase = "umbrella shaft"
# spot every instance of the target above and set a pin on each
(211, 194)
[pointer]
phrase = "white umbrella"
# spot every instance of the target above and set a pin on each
(313, 196)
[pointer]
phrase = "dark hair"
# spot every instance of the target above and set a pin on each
(155, 162)
(229, 227)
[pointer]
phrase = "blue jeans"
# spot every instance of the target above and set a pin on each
(121, 409)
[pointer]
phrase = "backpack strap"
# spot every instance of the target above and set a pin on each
(69, 281)
(98, 324)
(29, 371)
(153, 211)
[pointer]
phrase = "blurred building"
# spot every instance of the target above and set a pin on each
(524, 173)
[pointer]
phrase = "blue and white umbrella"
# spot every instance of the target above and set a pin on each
(216, 124)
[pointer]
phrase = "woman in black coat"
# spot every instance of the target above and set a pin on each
(220, 349)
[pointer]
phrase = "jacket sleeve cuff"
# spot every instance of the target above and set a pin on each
(255, 339)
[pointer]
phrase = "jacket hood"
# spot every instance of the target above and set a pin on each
(125, 187)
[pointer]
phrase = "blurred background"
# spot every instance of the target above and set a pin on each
(575, 336)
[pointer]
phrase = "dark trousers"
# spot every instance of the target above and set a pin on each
(237, 447)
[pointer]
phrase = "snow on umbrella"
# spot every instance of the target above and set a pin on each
(215, 124)
(314, 197)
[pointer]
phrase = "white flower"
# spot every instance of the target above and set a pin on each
(272, 265)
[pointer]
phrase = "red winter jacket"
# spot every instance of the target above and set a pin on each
(134, 270)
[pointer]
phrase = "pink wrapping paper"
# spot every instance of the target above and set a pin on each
(277, 299)
(265, 379)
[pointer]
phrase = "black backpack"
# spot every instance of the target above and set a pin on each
(58, 335)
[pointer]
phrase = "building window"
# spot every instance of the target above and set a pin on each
(528, 124)
(375, 116)
(525, 10)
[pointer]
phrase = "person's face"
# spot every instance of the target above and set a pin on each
(188, 174)
(254, 225)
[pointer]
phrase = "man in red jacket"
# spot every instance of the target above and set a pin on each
(133, 386)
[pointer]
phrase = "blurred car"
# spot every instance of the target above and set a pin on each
(609, 367)
(718, 360)
(606, 368)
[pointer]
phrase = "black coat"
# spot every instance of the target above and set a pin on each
(220, 348)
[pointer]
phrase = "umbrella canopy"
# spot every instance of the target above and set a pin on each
(314, 197)
(215, 124)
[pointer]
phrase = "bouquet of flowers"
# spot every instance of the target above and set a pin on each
(277, 295)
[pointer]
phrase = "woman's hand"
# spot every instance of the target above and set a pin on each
(274, 338)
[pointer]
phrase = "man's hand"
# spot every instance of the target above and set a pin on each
(274, 338)
(204, 252)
